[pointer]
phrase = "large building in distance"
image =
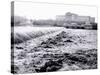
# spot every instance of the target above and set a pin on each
(75, 18)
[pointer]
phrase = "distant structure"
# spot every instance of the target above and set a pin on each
(71, 17)
(69, 20)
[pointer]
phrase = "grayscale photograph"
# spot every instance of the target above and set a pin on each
(50, 37)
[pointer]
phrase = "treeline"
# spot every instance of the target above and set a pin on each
(19, 21)
(67, 24)
(22, 21)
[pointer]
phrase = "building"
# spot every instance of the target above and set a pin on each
(71, 17)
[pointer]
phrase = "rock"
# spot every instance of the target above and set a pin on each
(19, 47)
(53, 42)
(68, 41)
(43, 43)
(49, 39)
(47, 46)
(50, 66)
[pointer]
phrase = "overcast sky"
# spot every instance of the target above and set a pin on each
(49, 11)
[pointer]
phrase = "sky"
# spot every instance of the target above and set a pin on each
(34, 10)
